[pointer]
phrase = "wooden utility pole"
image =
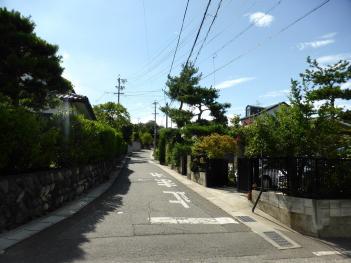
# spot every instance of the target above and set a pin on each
(167, 115)
(120, 87)
(155, 113)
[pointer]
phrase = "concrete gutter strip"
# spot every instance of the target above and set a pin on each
(33, 227)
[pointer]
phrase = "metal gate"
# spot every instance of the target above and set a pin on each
(248, 170)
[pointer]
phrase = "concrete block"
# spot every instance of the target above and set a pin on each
(335, 212)
(308, 202)
(309, 210)
(323, 203)
(335, 204)
(345, 203)
(346, 211)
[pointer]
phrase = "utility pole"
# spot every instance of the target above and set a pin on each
(155, 103)
(120, 87)
(167, 115)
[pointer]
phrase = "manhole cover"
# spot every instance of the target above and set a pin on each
(246, 219)
(278, 239)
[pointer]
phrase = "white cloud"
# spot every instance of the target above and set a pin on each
(77, 85)
(275, 93)
(261, 19)
(331, 59)
(315, 44)
(329, 35)
(233, 82)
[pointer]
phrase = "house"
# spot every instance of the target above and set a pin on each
(73, 102)
(253, 111)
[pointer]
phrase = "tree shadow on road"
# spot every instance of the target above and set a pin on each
(63, 241)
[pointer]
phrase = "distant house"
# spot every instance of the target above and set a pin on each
(253, 111)
(73, 102)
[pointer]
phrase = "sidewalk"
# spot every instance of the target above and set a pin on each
(237, 205)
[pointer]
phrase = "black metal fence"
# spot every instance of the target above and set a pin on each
(304, 177)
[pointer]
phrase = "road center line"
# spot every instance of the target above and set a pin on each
(193, 220)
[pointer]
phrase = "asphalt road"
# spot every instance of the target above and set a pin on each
(149, 216)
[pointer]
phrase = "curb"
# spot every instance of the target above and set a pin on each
(35, 226)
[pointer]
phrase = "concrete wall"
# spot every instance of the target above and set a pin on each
(321, 218)
(26, 196)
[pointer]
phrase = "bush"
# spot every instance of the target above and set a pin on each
(167, 136)
(146, 139)
(195, 129)
(214, 146)
(84, 141)
(27, 141)
(179, 151)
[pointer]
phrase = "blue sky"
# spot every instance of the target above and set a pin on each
(100, 39)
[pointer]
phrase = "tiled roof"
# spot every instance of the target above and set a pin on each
(73, 97)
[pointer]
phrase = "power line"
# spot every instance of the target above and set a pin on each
(198, 32)
(181, 29)
(269, 38)
(208, 31)
(242, 32)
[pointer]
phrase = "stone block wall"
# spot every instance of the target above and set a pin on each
(321, 218)
(27, 196)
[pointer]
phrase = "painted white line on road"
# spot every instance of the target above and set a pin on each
(157, 175)
(181, 198)
(165, 182)
(331, 252)
(193, 220)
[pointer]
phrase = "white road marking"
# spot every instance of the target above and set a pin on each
(119, 212)
(331, 252)
(165, 182)
(156, 175)
(181, 198)
(193, 220)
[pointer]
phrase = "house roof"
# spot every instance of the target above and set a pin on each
(73, 97)
(264, 109)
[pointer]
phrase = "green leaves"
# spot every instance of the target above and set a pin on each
(30, 67)
(186, 90)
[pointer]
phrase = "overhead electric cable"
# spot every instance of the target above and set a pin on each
(258, 45)
(208, 31)
(198, 32)
(180, 33)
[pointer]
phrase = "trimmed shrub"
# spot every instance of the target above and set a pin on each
(214, 146)
(84, 141)
(195, 129)
(27, 142)
(179, 151)
(146, 139)
(167, 136)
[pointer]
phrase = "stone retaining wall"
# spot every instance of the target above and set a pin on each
(27, 196)
(321, 218)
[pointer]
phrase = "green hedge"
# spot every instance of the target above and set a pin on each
(29, 141)
(195, 129)
(84, 141)
(167, 136)
(26, 141)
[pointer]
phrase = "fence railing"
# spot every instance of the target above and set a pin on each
(305, 177)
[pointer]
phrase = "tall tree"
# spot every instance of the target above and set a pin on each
(323, 83)
(117, 116)
(30, 68)
(186, 90)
